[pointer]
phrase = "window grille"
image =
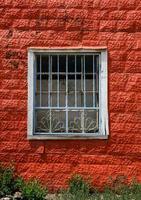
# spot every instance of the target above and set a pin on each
(67, 93)
(67, 96)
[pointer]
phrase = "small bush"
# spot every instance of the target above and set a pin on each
(135, 187)
(9, 184)
(118, 184)
(77, 185)
(6, 181)
(33, 190)
(19, 184)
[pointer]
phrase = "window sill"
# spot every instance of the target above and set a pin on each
(66, 137)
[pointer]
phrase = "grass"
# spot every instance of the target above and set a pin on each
(79, 189)
(106, 195)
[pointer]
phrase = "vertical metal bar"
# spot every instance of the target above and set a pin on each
(94, 93)
(99, 88)
(98, 77)
(50, 80)
(75, 85)
(49, 95)
(49, 83)
(40, 81)
(82, 86)
(83, 118)
(57, 80)
(67, 93)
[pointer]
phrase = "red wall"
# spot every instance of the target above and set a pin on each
(59, 23)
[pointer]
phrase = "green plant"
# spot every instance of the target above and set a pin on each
(6, 180)
(118, 184)
(135, 187)
(78, 187)
(117, 190)
(19, 184)
(9, 183)
(33, 190)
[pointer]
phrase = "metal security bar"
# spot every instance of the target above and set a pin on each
(67, 93)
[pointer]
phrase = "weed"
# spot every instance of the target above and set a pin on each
(33, 190)
(77, 184)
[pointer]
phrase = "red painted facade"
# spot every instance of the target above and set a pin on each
(72, 23)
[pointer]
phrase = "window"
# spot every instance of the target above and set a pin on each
(67, 94)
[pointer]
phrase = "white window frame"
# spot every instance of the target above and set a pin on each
(103, 95)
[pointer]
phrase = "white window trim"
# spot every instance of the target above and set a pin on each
(103, 103)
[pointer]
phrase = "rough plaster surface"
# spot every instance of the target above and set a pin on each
(59, 23)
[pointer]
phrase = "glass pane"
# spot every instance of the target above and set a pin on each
(62, 63)
(79, 83)
(96, 91)
(62, 99)
(78, 63)
(62, 82)
(80, 99)
(44, 63)
(96, 99)
(58, 121)
(71, 99)
(37, 91)
(54, 99)
(91, 121)
(89, 82)
(96, 70)
(71, 83)
(54, 64)
(89, 99)
(74, 122)
(96, 64)
(88, 64)
(38, 63)
(44, 90)
(54, 82)
(62, 90)
(44, 82)
(38, 83)
(96, 83)
(71, 63)
(44, 99)
(42, 121)
(37, 99)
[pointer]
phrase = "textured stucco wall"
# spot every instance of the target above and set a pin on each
(59, 23)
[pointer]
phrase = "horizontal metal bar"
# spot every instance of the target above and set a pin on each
(64, 92)
(69, 108)
(64, 73)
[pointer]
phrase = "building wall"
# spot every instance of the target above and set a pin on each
(72, 23)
